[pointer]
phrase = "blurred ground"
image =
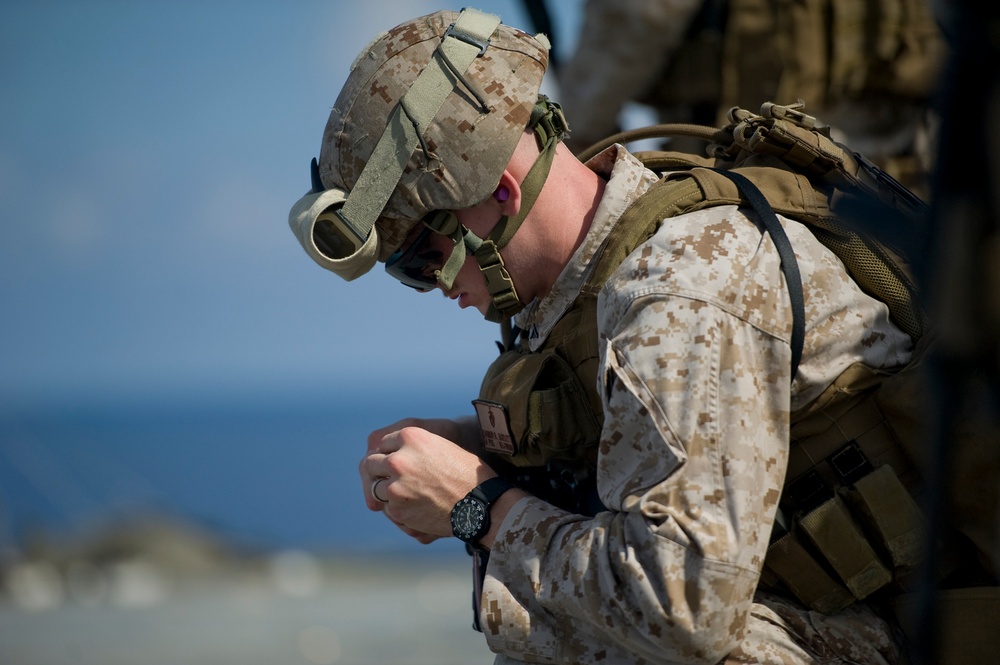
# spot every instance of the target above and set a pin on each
(167, 598)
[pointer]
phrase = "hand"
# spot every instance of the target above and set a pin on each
(426, 474)
(457, 431)
(419, 536)
(462, 431)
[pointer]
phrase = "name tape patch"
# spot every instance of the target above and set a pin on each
(494, 424)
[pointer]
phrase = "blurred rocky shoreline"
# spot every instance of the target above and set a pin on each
(158, 591)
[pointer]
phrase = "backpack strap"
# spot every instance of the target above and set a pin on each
(637, 224)
(789, 264)
(668, 198)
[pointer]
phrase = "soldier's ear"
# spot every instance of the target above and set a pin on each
(508, 194)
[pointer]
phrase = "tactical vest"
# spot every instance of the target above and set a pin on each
(840, 440)
(848, 524)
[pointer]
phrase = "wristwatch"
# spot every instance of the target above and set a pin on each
(470, 518)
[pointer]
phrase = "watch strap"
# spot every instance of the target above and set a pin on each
(490, 490)
(484, 494)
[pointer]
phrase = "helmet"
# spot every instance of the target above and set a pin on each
(428, 120)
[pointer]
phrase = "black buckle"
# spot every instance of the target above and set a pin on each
(850, 463)
(808, 491)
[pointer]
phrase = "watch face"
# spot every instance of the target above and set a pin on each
(467, 518)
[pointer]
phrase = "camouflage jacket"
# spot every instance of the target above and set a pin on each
(694, 334)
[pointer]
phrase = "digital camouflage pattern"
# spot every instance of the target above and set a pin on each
(469, 148)
(694, 332)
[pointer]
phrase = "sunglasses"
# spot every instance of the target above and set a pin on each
(415, 265)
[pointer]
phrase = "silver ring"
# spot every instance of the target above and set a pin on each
(375, 486)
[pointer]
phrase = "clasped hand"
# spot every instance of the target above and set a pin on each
(426, 472)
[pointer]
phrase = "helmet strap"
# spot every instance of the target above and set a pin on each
(549, 125)
(464, 41)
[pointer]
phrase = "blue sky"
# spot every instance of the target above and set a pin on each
(149, 153)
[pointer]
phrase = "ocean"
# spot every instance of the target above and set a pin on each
(272, 472)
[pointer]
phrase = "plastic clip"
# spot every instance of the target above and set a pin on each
(791, 112)
(462, 37)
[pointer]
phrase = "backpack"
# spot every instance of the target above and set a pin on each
(808, 176)
(869, 425)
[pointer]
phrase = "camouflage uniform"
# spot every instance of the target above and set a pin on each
(695, 356)
(694, 330)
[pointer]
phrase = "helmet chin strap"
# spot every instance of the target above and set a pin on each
(550, 126)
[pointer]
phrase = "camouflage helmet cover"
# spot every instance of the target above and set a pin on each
(468, 149)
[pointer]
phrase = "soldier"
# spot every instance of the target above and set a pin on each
(441, 160)
(867, 69)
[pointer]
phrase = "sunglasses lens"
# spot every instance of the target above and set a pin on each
(414, 265)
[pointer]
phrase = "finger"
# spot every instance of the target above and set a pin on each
(419, 536)
(367, 479)
(376, 462)
(375, 437)
(390, 442)
(374, 465)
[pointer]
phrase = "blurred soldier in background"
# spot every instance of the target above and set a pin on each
(961, 277)
(868, 69)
